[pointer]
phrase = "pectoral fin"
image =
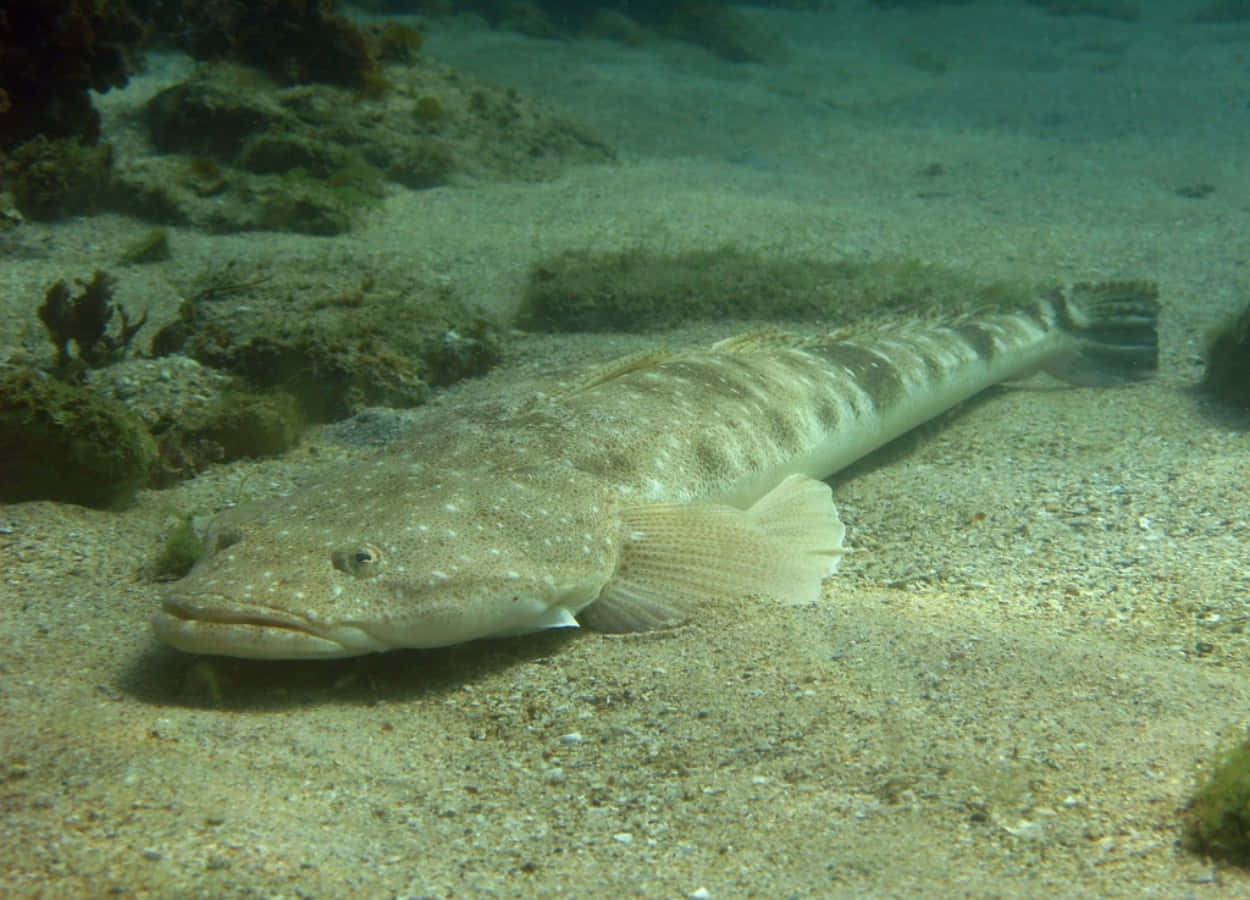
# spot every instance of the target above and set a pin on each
(676, 558)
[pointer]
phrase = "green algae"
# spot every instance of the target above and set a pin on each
(180, 552)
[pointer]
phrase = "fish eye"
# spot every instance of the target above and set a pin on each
(363, 561)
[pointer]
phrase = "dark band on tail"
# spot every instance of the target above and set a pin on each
(1116, 323)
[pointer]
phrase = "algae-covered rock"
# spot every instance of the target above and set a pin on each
(335, 351)
(64, 442)
(215, 112)
(641, 290)
(250, 424)
(1228, 362)
(316, 158)
(52, 179)
(296, 202)
(1217, 822)
(199, 416)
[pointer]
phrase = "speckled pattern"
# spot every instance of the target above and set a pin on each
(487, 525)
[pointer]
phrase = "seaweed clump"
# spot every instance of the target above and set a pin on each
(1217, 821)
(1228, 362)
(180, 552)
(83, 319)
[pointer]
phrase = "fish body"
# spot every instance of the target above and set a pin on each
(624, 499)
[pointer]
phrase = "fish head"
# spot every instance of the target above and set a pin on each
(385, 556)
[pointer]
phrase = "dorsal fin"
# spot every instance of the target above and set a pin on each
(633, 362)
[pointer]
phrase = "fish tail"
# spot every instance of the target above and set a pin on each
(1115, 327)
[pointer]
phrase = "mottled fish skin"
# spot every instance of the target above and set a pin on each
(650, 479)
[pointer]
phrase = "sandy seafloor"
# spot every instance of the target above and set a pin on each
(1008, 692)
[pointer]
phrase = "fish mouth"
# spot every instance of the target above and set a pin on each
(256, 633)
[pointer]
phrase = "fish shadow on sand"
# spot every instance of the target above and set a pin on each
(165, 677)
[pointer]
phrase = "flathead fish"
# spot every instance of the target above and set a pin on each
(624, 499)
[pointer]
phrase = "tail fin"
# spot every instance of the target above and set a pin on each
(1115, 323)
